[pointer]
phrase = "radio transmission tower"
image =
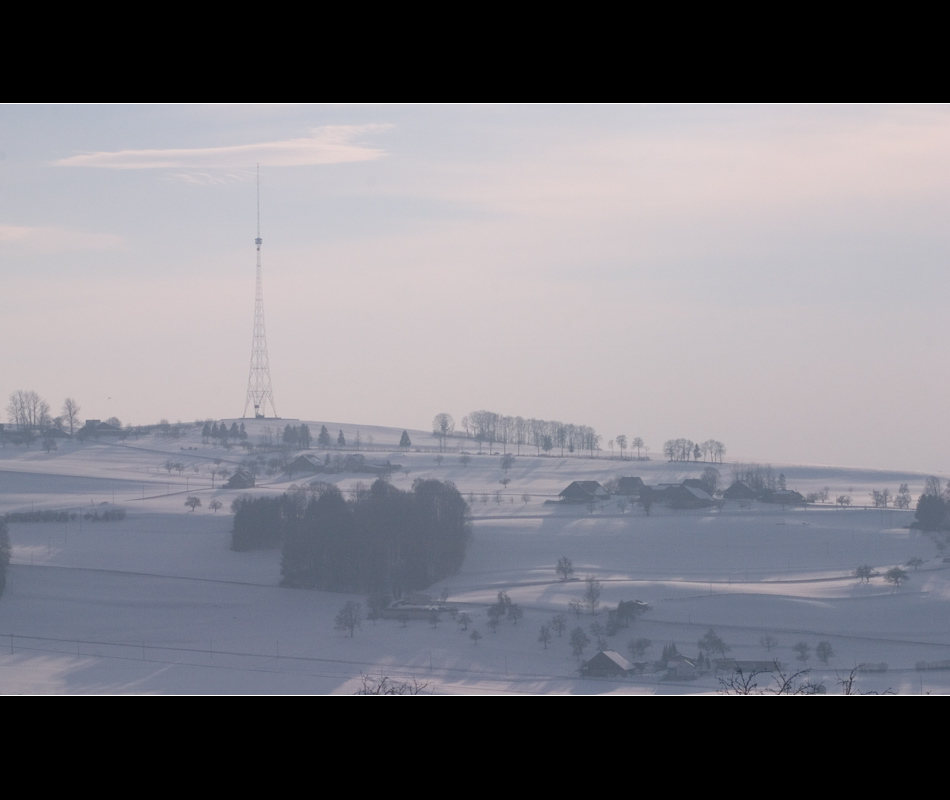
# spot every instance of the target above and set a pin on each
(259, 392)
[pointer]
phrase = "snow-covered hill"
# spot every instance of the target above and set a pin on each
(157, 602)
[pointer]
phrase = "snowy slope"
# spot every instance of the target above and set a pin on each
(158, 602)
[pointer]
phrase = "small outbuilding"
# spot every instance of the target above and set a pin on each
(242, 479)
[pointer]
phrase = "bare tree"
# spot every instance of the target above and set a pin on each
(193, 502)
(545, 636)
(638, 443)
(896, 575)
(565, 568)
(385, 686)
(592, 593)
(794, 683)
(646, 499)
(579, 640)
(740, 683)
(622, 444)
(349, 617)
(824, 651)
(71, 413)
(600, 633)
(902, 498)
(712, 644)
(847, 684)
(28, 410)
(710, 479)
(768, 642)
(802, 651)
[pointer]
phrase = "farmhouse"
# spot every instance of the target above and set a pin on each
(682, 496)
(785, 497)
(606, 664)
(584, 492)
(242, 479)
(305, 463)
(739, 490)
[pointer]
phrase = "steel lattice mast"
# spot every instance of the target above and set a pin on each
(259, 392)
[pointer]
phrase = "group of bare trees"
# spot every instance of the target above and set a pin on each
(636, 442)
(26, 409)
(493, 429)
(688, 450)
(756, 476)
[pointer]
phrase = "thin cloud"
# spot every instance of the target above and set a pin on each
(332, 144)
(48, 239)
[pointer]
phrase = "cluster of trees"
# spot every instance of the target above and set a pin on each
(26, 409)
(324, 440)
(48, 515)
(380, 541)
(933, 506)
(194, 502)
(895, 575)
(621, 617)
(901, 500)
(220, 433)
(498, 429)
(636, 442)
(297, 436)
(758, 477)
(504, 608)
(803, 651)
(688, 450)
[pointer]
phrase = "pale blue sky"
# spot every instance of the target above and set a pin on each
(772, 277)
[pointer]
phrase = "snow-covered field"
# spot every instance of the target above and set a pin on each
(158, 603)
